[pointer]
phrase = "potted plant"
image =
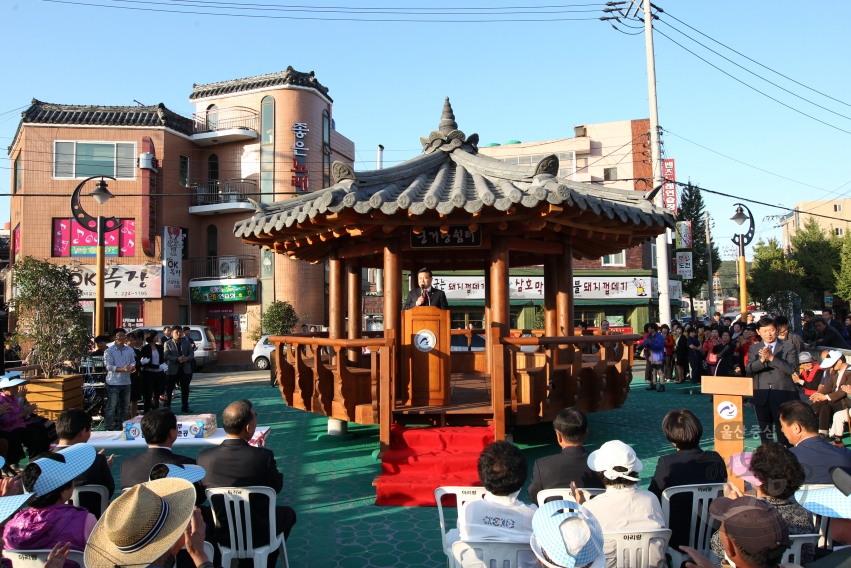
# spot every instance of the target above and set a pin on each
(46, 305)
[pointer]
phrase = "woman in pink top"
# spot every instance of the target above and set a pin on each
(49, 520)
(13, 427)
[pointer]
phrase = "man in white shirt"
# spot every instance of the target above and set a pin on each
(120, 361)
(624, 507)
(499, 516)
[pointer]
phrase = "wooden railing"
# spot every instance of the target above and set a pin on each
(468, 333)
(331, 384)
(541, 384)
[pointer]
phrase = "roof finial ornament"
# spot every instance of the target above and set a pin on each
(447, 119)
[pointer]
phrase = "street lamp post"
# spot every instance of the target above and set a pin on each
(102, 225)
(742, 240)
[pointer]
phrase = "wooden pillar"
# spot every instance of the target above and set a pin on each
(550, 292)
(392, 285)
(500, 323)
(355, 307)
(486, 324)
(564, 295)
(336, 296)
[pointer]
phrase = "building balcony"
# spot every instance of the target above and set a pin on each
(225, 125)
(223, 267)
(218, 196)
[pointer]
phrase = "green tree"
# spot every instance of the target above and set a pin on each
(843, 275)
(818, 254)
(279, 318)
(774, 279)
(692, 209)
(46, 303)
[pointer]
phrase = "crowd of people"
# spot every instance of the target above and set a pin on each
(160, 517)
(574, 530)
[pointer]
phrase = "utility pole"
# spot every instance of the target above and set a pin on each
(662, 265)
(709, 264)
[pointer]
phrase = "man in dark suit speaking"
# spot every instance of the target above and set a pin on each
(771, 363)
(426, 294)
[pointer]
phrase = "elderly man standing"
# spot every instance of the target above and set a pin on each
(120, 362)
(179, 355)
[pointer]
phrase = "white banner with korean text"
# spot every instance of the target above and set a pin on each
(173, 261)
(121, 281)
(584, 287)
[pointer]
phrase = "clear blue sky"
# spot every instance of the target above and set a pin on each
(510, 80)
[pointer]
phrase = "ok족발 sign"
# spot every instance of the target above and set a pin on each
(119, 281)
(244, 290)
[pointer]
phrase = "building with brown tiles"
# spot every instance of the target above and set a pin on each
(180, 185)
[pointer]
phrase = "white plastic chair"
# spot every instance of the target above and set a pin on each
(561, 493)
(238, 515)
(462, 495)
(633, 547)
(793, 553)
(822, 523)
(498, 554)
(702, 524)
(38, 558)
(100, 490)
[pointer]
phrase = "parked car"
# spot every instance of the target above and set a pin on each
(206, 352)
(262, 355)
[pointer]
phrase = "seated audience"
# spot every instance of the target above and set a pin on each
(776, 474)
(49, 520)
(13, 425)
(124, 536)
(830, 397)
(565, 534)
(690, 465)
(502, 470)
(753, 534)
(75, 427)
(159, 428)
(571, 465)
(235, 463)
(810, 375)
(624, 507)
(800, 426)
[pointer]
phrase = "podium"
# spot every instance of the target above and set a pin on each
(728, 410)
(426, 367)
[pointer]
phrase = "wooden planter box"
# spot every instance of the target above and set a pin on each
(55, 394)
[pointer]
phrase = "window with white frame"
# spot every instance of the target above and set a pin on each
(652, 255)
(73, 160)
(618, 259)
(837, 207)
(838, 231)
(610, 174)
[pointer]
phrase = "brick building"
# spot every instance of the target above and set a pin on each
(181, 183)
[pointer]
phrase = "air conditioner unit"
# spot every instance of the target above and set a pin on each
(228, 267)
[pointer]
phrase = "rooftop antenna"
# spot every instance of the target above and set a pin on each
(138, 103)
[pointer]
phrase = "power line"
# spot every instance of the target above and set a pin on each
(397, 8)
(755, 74)
(754, 61)
(374, 20)
(745, 84)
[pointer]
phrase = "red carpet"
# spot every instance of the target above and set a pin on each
(422, 459)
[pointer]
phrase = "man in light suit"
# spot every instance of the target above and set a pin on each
(771, 363)
(426, 294)
(179, 355)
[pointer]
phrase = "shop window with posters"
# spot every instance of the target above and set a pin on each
(71, 239)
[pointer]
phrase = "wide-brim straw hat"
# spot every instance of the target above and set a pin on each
(142, 524)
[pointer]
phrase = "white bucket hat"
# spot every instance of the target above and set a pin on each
(831, 359)
(54, 474)
(615, 454)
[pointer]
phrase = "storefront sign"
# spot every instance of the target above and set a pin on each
(173, 238)
(683, 234)
(458, 236)
(70, 238)
(237, 290)
(120, 281)
(300, 171)
(219, 310)
(669, 185)
(584, 287)
(684, 265)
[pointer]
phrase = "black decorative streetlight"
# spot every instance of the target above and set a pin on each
(742, 240)
(102, 225)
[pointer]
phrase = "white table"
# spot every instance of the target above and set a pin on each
(115, 441)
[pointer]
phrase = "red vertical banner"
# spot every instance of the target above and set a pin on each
(16, 244)
(669, 185)
(127, 238)
(227, 334)
(61, 237)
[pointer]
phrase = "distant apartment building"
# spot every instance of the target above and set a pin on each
(839, 211)
(621, 288)
(180, 184)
